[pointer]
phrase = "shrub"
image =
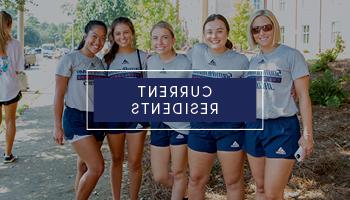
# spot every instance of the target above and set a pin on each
(327, 90)
(330, 55)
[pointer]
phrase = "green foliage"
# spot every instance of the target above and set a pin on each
(330, 55)
(238, 34)
(149, 12)
(327, 90)
(86, 10)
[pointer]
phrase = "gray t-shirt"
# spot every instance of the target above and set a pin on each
(281, 67)
(127, 61)
(203, 59)
(180, 62)
(75, 66)
(10, 64)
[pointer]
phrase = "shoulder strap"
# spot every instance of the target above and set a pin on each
(138, 56)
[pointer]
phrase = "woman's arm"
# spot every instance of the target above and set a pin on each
(305, 107)
(61, 87)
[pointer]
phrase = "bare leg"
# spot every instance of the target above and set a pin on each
(89, 151)
(10, 121)
(135, 151)
(200, 165)
(116, 147)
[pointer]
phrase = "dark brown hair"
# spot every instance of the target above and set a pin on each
(88, 28)
(109, 57)
(213, 17)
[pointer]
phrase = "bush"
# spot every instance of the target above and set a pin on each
(330, 55)
(327, 90)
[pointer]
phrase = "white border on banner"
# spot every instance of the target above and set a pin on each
(186, 129)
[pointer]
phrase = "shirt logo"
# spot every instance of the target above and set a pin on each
(125, 62)
(163, 72)
(281, 151)
(180, 136)
(234, 145)
(212, 62)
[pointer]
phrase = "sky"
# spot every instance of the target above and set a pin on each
(50, 11)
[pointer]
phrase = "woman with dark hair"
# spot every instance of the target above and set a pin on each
(11, 62)
(71, 93)
(216, 54)
(124, 56)
(271, 151)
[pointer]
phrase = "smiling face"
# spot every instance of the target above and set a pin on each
(123, 35)
(162, 40)
(95, 40)
(262, 31)
(215, 35)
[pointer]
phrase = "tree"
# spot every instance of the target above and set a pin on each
(239, 24)
(31, 37)
(149, 12)
(17, 4)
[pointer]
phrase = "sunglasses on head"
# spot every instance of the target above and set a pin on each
(265, 28)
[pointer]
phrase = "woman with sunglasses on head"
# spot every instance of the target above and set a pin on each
(271, 151)
(168, 146)
(71, 93)
(11, 62)
(124, 56)
(204, 145)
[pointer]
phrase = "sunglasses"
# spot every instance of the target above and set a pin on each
(265, 28)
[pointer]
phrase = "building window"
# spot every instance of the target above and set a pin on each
(257, 4)
(282, 33)
(282, 5)
(306, 34)
(335, 32)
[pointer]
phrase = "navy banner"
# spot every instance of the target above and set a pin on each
(175, 100)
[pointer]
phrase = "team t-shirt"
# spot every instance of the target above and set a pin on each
(203, 59)
(180, 62)
(281, 67)
(10, 64)
(127, 61)
(75, 66)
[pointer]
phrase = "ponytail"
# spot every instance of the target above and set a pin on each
(229, 44)
(88, 28)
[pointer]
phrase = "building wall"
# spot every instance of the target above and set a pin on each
(296, 14)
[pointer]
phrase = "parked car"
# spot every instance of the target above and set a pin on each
(38, 50)
(48, 50)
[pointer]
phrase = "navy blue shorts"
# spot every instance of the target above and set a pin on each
(211, 141)
(74, 123)
(125, 125)
(279, 139)
(166, 137)
(11, 101)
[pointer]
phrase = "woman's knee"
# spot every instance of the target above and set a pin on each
(134, 164)
(117, 159)
(161, 178)
(234, 182)
(179, 174)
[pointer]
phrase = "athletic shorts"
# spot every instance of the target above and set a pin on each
(74, 125)
(125, 125)
(279, 139)
(14, 100)
(165, 138)
(211, 141)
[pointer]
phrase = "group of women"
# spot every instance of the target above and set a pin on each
(270, 151)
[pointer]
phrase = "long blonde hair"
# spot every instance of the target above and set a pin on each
(5, 35)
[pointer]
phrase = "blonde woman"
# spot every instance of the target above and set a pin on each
(271, 151)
